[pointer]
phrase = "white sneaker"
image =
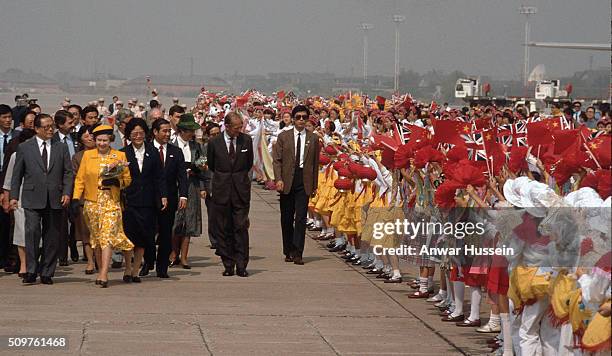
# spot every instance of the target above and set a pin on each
(486, 329)
(442, 304)
(436, 298)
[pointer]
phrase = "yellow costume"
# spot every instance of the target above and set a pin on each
(102, 210)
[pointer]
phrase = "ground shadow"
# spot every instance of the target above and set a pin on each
(310, 259)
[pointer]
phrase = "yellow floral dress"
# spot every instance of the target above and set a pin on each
(105, 220)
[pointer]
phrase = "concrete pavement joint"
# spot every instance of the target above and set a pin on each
(203, 338)
(83, 336)
(312, 324)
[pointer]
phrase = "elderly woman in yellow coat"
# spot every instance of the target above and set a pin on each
(102, 174)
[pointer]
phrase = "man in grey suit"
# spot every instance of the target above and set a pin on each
(46, 171)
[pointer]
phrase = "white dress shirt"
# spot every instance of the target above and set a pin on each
(139, 153)
(302, 145)
(184, 146)
(39, 142)
(165, 146)
(227, 141)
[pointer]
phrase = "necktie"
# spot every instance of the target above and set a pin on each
(44, 155)
(4, 143)
(232, 150)
(298, 150)
(161, 155)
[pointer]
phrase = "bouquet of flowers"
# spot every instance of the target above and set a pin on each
(113, 170)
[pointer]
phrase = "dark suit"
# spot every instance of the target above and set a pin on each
(299, 184)
(5, 218)
(176, 186)
(143, 198)
(207, 187)
(231, 198)
(41, 200)
(66, 235)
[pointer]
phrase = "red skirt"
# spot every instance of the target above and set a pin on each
(498, 279)
(470, 279)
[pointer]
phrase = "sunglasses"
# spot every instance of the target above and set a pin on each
(301, 117)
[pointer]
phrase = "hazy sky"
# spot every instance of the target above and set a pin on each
(134, 37)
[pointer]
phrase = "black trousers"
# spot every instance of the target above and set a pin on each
(50, 221)
(211, 236)
(294, 207)
(165, 222)
(230, 227)
(5, 238)
(66, 235)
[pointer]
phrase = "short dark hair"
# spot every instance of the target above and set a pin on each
(78, 107)
(115, 96)
(133, 124)
(22, 119)
(33, 106)
(210, 126)
(153, 104)
(88, 109)
(40, 117)
(176, 109)
(157, 124)
(5, 109)
(230, 116)
(61, 116)
(88, 128)
(298, 109)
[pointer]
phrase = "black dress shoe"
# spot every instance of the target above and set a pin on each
(29, 278)
(21, 275)
(229, 271)
(63, 263)
(46, 280)
(144, 271)
(162, 275)
(331, 244)
(297, 260)
(74, 253)
(244, 273)
(288, 259)
(186, 267)
(89, 271)
(127, 279)
(136, 279)
(356, 262)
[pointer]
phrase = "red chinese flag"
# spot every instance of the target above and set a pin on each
(280, 95)
(539, 133)
(566, 139)
(447, 131)
(601, 147)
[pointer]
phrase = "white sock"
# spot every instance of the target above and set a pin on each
(442, 293)
(475, 303)
(318, 223)
(378, 265)
(506, 333)
(423, 284)
(494, 320)
(459, 289)
(396, 273)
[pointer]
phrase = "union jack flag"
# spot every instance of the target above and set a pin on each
(473, 140)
